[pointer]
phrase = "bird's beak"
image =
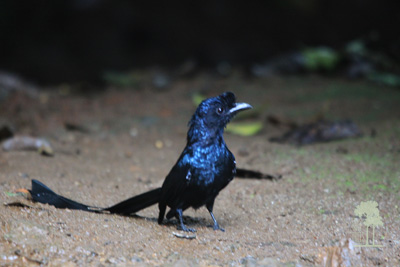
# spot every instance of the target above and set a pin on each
(239, 107)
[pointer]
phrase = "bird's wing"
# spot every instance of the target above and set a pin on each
(176, 181)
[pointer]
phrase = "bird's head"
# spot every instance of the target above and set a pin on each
(213, 114)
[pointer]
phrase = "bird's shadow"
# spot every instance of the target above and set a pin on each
(187, 220)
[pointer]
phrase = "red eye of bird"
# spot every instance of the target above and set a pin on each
(220, 110)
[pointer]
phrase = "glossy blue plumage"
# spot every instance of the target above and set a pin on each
(206, 165)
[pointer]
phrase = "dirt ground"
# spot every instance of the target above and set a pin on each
(131, 139)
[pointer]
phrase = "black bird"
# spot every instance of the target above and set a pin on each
(203, 169)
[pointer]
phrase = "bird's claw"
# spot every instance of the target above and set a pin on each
(185, 229)
(217, 227)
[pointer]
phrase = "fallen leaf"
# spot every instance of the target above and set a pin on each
(184, 235)
(245, 128)
(28, 143)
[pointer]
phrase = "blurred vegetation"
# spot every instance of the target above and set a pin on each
(74, 41)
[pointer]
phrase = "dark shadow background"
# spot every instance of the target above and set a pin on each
(77, 40)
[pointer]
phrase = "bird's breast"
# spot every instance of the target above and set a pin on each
(212, 167)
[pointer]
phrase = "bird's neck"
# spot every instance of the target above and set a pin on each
(202, 135)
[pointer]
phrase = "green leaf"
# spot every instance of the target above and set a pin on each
(245, 128)
(11, 194)
(320, 58)
(356, 47)
(389, 79)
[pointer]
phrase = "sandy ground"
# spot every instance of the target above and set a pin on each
(135, 136)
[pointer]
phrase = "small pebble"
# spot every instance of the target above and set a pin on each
(133, 132)
(159, 144)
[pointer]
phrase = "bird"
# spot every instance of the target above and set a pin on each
(204, 168)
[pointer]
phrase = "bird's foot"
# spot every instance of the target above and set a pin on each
(185, 229)
(217, 227)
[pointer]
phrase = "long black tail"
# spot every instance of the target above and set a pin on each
(43, 194)
(136, 203)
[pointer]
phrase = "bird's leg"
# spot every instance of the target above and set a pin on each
(182, 226)
(216, 225)
(161, 207)
(172, 213)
